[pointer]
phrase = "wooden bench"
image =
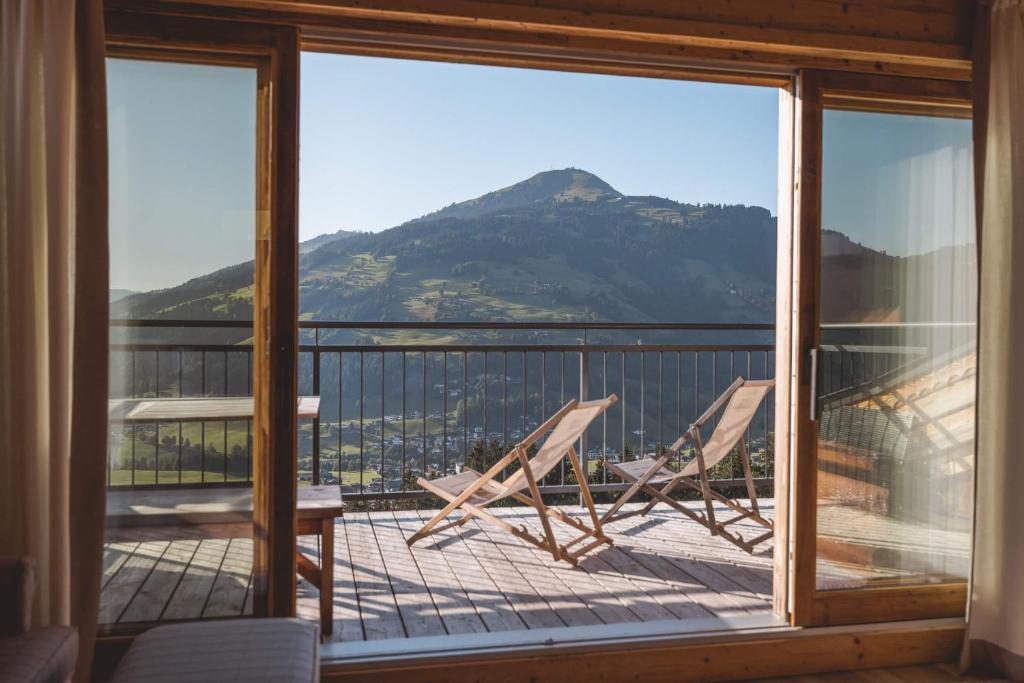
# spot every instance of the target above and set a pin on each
(223, 508)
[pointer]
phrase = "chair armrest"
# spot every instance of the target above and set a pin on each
(17, 585)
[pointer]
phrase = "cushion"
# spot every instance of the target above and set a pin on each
(44, 655)
(281, 650)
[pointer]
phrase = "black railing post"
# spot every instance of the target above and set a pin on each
(584, 393)
(316, 420)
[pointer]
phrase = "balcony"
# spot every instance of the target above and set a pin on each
(405, 399)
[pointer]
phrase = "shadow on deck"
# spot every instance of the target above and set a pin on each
(473, 579)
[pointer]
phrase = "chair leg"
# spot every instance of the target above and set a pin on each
(549, 534)
(705, 486)
(748, 475)
(588, 499)
(633, 489)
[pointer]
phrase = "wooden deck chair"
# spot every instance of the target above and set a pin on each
(472, 491)
(656, 479)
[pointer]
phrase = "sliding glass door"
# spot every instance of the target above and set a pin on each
(887, 452)
(897, 357)
(201, 484)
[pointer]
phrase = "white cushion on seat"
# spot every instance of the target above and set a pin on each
(279, 650)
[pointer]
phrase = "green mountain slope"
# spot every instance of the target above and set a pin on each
(560, 246)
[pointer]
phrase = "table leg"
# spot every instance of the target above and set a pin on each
(327, 575)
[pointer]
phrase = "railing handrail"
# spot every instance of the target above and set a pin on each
(496, 347)
(444, 325)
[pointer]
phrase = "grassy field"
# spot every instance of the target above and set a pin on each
(144, 477)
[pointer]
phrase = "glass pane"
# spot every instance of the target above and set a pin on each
(182, 145)
(896, 369)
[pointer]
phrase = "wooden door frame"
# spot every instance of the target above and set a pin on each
(816, 91)
(274, 52)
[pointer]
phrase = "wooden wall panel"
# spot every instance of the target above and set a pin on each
(910, 37)
(746, 658)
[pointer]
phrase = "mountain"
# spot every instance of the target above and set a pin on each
(117, 294)
(944, 280)
(320, 240)
(566, 185)
(560, 246)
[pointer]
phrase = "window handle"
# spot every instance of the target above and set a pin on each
(814, 383)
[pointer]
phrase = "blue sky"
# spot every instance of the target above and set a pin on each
(896, 183)
(182, 170)
(385, 140)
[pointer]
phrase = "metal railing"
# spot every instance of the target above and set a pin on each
(399, 400)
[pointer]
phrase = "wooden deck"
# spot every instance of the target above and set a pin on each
(476, 579)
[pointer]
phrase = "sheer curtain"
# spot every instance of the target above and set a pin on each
(995, 623)
(53, 282)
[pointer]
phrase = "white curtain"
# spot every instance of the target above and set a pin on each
(53, 281)
(995, 628)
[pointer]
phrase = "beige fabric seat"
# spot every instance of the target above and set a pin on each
(30, 655)
(655, 478)
(43, 655)
(256, 650)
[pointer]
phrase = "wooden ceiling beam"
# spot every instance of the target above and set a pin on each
(882, 36)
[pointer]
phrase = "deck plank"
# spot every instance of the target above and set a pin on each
(378, 608)
(419, 613)
(667, 537)
(114, 557)
(538, 568)
(528, 603)
(123, 586)
(453, 603)
(307, 598)
(227, 597)
(464, 580)
(348, 625)
(153, 596)
(584, 580)
(193, 590)
(491, 603)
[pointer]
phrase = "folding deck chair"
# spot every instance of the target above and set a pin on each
(656, 479)
(472, 491)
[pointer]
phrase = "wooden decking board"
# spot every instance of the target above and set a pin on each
(753, 572)
(420, 614)
(378, 607)
(154, 594)
(491, 603)
(706, 572)
(682, 543)
(307, 601)
(227, 597)
(632, 594)
(604, 601)
(348, 625)
(194, 589)
(722, 594)
(558, 589)
(129, 578)
(114, 556)
(538, 570)
(528, 603)
(247, 607)
(706, 601)
(756, 582)
(468, 579)
(661, 590)
(523, 599)
(450, 597)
